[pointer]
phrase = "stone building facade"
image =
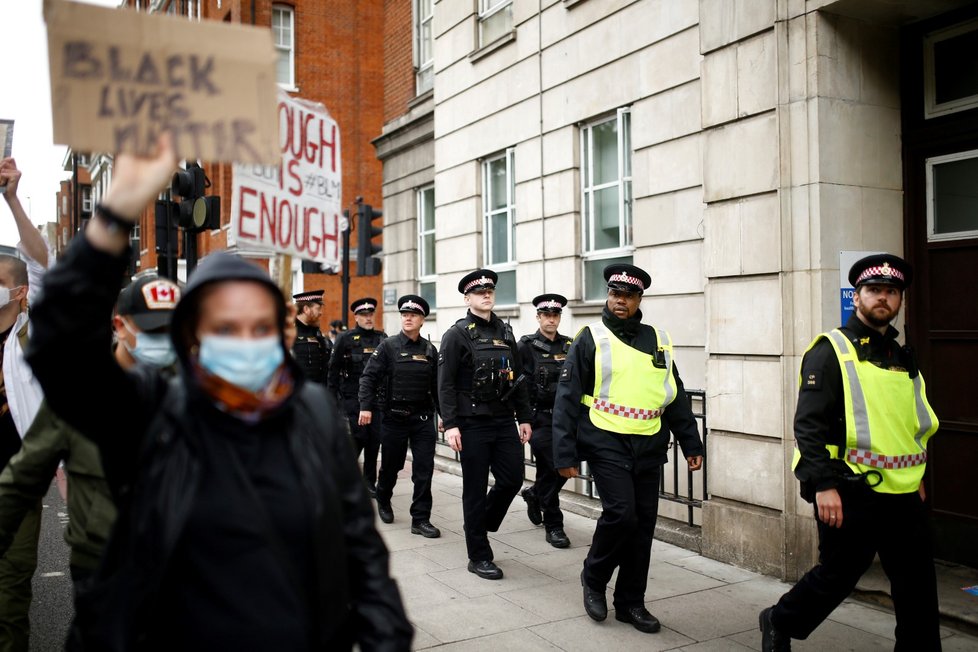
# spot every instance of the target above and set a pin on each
(732, 148)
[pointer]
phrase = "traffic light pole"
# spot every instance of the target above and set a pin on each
(190, 250)
(346, 276)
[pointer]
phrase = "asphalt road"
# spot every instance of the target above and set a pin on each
(51, 609)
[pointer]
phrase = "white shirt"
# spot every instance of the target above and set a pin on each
(24, 393)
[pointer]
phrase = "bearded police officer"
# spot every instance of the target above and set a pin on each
(311, 348)
(349, 357)
(480, 390)
(861, 429)
(406, 365)
(618, 396)
(542, 355)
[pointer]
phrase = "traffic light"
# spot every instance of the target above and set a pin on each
(368, 264)
(166, 238)
(197, 213)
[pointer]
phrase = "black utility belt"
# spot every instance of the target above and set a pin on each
(404, 413)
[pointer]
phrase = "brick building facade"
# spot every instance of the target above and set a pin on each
(331, 51)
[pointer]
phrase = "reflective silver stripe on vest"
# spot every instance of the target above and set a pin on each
(601, 333)
(923, 416)
(859, 414)
(869, 458)
(667, 353)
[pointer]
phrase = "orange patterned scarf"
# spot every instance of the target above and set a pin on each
(241, 403)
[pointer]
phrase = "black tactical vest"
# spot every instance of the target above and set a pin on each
(492, 362)
(410, 379)
(311, 352)
(360, 346)
(548, 358)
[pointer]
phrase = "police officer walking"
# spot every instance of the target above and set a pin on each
(543, 354)
(350, 353)
(480, 390)
(618, 396)
(861, 429)
(406, 365)
(311, 348)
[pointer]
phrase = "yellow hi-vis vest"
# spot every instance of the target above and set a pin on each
(888, 420)
(630, 392)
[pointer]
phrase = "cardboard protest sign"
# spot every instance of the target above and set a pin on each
(6, 144)
(294, 207)
(6, 138)
(119, 77)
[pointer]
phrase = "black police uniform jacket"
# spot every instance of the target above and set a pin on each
(576, 438)
(155, 451)
(456, 370)
(311, 351)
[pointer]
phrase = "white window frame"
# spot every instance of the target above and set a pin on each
(625, 246)
(931, 108)
(488, 9)
(86, 202)
(424, 77)
(509, 155)
(290, 48)
(422, 232)
(931, 199)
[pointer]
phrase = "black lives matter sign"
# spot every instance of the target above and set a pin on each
(120, 77)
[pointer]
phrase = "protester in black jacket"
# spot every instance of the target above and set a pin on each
(243, 523)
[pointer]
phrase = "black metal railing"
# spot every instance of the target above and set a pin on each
(697, 399)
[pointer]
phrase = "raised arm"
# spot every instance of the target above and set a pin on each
(71, 322)
(30, 238)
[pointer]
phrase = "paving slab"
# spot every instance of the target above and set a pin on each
(585, 635)
(704, 605)
(515, 576)
(459, 620)
(520, 639)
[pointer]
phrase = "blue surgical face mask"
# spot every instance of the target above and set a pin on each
(247, 363)
(154, 349)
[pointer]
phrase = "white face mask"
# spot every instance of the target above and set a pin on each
(5, 295)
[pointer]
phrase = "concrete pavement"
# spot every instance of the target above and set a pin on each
(704, 605)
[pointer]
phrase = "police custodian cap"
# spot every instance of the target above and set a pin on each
(550, 303)
(628, 278)
(367, 304)
(413, 303)
(480, 279)
(881, 269)
(311, 296)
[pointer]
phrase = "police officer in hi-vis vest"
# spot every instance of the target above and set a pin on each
(482, 396)
(543, 354)
(311, 348)
(618, 397)
(406, 367)
(350, 354)
(861, 430)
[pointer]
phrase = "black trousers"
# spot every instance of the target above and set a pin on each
(418, 431)
(489, 444)
(623, 534)
(891, 525)
(548, 482)
(366, 439)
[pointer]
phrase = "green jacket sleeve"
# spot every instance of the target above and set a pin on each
(28, 475)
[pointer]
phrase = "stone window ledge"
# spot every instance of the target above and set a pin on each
(571, 3)
(489, 48)
(422, 98)
(587, 308)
